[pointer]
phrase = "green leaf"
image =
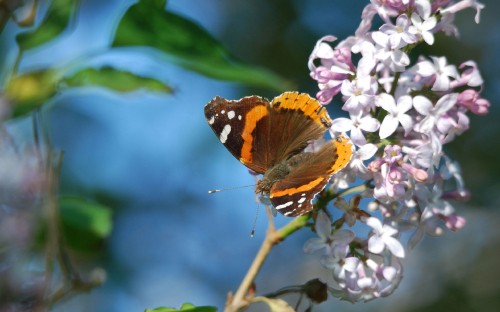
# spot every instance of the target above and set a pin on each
(188, 44)
(114, 79)
(55, 22)
(30, 90)
(186, 307)
(85, 224)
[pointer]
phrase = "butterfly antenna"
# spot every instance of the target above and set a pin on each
(255, 220)
(229, 188)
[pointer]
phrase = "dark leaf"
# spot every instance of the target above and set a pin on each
(85, 224)
(54, 23)
(187, 44)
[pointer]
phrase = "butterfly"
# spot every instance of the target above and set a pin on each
(270, 137)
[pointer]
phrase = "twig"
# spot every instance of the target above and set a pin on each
(272, 238)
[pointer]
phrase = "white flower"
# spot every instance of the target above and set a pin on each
(396, 114)
(399, 35)
(390, 57)
(357, 124)
(326, 239)
(359, 93)
(431, 112)
(323, 228)
(423, 28)
(441, 69)
(382, 237)
(357, 165)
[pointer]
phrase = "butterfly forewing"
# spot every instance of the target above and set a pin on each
(236, 124)
(295, 120)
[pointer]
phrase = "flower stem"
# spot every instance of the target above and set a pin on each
(273, 237)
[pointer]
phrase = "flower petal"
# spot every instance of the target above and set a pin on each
(394, 246)
(388, 126)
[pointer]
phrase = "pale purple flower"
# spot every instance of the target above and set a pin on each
(399, 35)
(441, 71)
(323, 227)
(454, 122)
(428, 223)
(419, 109)
(423, 29)
(431, 112)
(335, 67)
(351, 210)
(463, 5)
(359, 94)
(357, 124)
(383, 238)
(340, 263)
(389, 8)
(390, 183)
(470, 99)
(357, 165)
(394, 59)
(451, 170)
(446, 25)
(327, 240)
(396, 114)
(470, 76)
(425, 152)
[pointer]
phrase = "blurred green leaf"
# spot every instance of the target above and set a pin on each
(54, 23)
(85, 224)
(30, 90)
(188, 44)
(114, 79)
(186, 307)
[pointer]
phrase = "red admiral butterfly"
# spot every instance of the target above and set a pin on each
(270, 137)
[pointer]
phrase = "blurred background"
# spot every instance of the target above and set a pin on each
(150, 157)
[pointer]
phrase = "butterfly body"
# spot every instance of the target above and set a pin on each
(270, 137)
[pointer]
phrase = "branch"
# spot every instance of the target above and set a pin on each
(273, 237)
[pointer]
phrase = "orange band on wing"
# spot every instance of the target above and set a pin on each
(251, 120)
(344, 152)
(306, 104)
(304, 188)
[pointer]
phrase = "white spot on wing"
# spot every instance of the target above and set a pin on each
(239, 117)
(222, 112)
(300, 201)
(284, 205)
(230, 115)
(212, 120)
(288, 212)
(225, 132)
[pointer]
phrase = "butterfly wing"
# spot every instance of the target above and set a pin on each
(261, 134)
(237, 123)
(293, 195)
(295, 120)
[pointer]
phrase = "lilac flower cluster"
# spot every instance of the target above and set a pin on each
(400, 116)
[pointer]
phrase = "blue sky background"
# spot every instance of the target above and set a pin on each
(156, 157)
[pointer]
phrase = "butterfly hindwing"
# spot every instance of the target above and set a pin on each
(294, 194)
